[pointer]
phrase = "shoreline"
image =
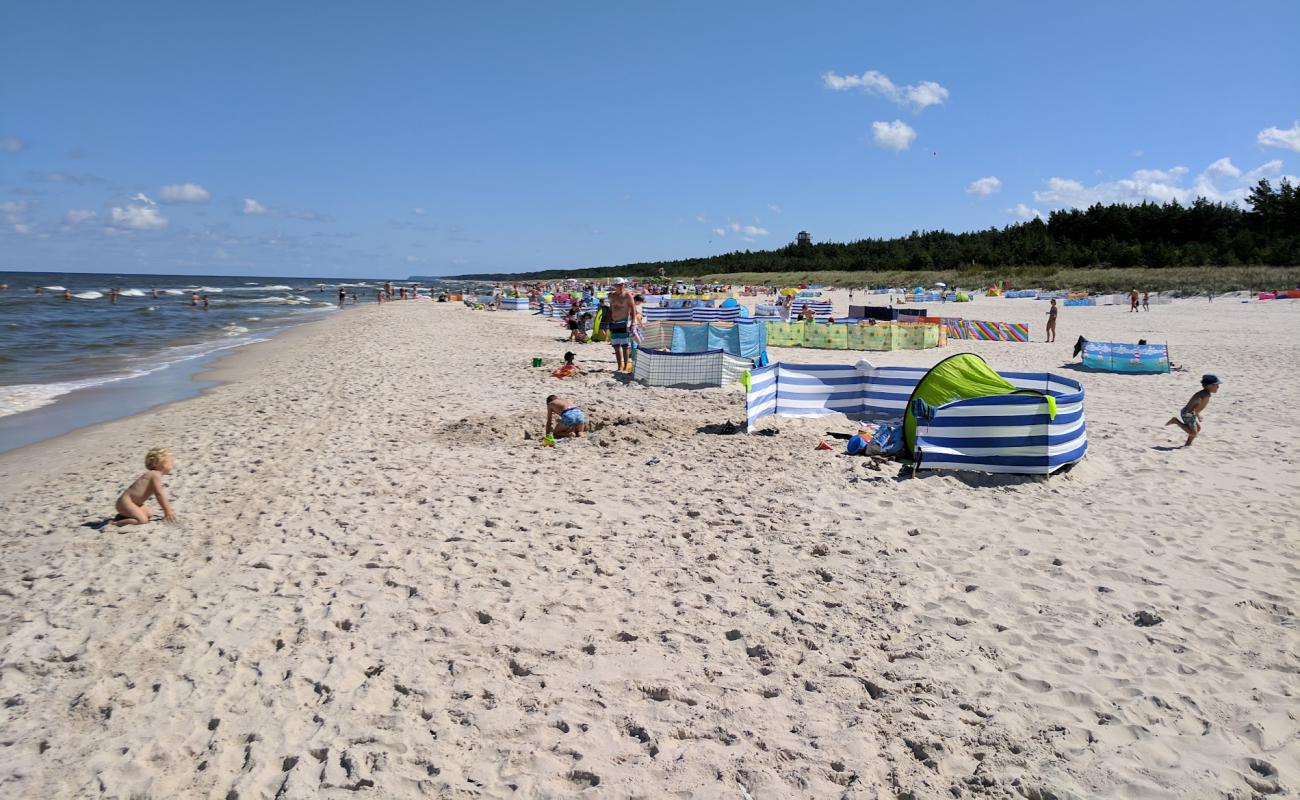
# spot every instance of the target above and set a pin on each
(381, 580)
(75, 411)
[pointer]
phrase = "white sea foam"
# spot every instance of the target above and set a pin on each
(279, 287)
(131, 293)
(88, 295)
(55, 288)
(173, 291)
(287, 300)
(235, 330)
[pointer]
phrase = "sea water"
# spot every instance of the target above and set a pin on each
(52, 349)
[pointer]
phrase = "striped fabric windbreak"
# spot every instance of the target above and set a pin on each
(1012, 433)
(813, 389)
(698, 314)
(984, 330)
(743, 337)
(822, 309)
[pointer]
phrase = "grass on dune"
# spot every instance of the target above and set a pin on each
(1181, 280)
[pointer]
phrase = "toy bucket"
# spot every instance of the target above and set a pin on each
(537, 362)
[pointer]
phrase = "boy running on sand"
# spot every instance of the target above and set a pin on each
(1189, 419)
(131, 508)
(563, 418)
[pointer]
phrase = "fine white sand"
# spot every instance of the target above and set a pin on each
(380, 588)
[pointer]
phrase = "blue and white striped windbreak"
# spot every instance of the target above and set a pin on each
(1013, 433)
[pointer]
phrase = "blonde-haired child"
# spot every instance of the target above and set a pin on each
(131, 508)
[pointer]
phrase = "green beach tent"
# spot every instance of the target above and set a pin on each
(958, 377)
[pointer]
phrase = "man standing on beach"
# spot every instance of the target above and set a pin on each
(621, 309)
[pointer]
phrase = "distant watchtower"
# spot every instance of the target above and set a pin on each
(804, 239)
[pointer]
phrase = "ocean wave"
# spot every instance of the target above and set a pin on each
(279, 287)
(131, 293)
(235, 330)
(88, 295)
(287, 300)
(174, 291)
(55, 288)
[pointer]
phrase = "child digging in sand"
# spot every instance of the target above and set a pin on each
(564, 418)
(1189, 419)
(131, 508)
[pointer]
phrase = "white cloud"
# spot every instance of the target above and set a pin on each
(184, 193)
(701, 218)
(919, 96)
(76, 216)
(1220, 182)
(896, 135)
(985, 186)
(774, 208)
(1022, 211)
(746, 232)
(1288, 139)
(419, 212)
(141, 214)
(11, 144)
(1223, 167)
(254, 208)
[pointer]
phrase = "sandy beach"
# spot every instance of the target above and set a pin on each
(382, 586)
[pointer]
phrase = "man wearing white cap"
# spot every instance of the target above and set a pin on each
(620, 324)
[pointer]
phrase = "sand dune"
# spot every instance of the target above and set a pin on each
(381, 587)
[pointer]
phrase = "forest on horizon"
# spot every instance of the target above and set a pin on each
(1151, 235)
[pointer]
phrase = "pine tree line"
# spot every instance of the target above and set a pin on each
(1152, 235)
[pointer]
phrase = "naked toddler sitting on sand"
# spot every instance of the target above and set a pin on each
(131, 508)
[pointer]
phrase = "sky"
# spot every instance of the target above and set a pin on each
(389, 139)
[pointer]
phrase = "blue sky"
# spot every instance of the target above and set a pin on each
(387, 139)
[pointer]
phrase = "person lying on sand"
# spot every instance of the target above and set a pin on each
(568, 369)
(1189, 419)
(564, 418)
(131, 508)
